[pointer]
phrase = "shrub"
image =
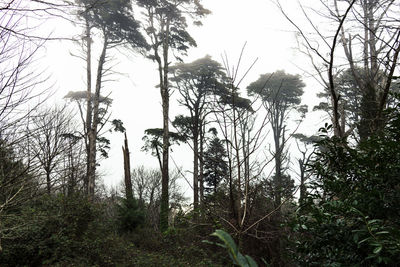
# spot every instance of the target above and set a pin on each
(130, 215)
(353, 217)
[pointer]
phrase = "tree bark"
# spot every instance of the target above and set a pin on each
(195, 171)
(164, 90)
(201, 165)
(89, 102)
(127, 170)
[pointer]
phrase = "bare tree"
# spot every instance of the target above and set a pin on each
(147, 189)
(47, 141)
(368, 33)
(243, 129)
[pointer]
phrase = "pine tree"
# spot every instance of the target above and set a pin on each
(215, 165)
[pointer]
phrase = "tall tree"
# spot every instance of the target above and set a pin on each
(166, 27)
(195, 82)
(115, 21)
(281, 95)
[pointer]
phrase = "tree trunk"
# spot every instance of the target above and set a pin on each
(127, 170)
(238, 204)
(277, 132)
(302, 182)
(201, 168)
(163, 71)
(165, 161)
(89, 103)
(93, 130)
(195, 172)
(48, 182)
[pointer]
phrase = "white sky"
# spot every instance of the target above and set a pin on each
(269, 38)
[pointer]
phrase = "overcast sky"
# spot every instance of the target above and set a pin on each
(269, 37)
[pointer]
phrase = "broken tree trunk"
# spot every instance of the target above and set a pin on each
(127, 170)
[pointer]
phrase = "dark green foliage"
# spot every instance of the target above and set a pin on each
(16, 182)
(278, 88)
(198, 79)
(162, 11)
(353, 216)
(286, 187)
(185, 126)
(232, 98)
(153, 141)
(118, 125)
(215, 164)
(130, 215)
(180, 246)
(59, 230)
(115, 18)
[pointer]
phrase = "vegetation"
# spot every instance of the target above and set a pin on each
(334, 202)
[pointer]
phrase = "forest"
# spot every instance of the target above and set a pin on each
(261, 190)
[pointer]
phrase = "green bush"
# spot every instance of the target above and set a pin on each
(64, 231)
(352, 216)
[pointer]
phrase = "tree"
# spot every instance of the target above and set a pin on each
(165, 26)
(147, 187)
(127, 170)
(281, 95)
(369, 37)
(243, 132)
(19, 76)
(215, 164)
(351, 108)
(18, 49)
(115, 21)
(196, 81)
(73, 172)
(47, 141)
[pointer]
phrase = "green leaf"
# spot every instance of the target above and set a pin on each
(214, 243)
(251, 262)
(227, 239)
(241, 260)
(382, 233)
(377, 249)
(362, 241)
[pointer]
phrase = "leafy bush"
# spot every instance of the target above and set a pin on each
(352, 216)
